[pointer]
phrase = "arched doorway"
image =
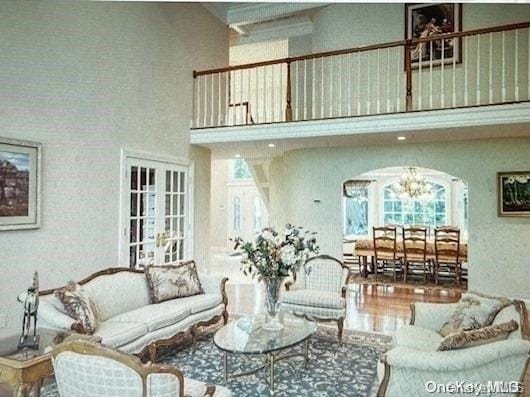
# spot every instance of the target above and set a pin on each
(402, 196)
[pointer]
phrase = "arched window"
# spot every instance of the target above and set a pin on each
(237, 214)
(431, 212)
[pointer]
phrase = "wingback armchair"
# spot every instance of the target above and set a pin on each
(319, 292)
(415, 359)
(84, 369)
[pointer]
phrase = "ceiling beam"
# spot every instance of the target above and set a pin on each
(246, 13)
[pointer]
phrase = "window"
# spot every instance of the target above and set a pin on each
(237, 214)
(432, 212)
(240, 170)
(356, 208)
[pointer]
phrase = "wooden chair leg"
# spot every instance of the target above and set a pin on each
(340, 324)
(436, 270)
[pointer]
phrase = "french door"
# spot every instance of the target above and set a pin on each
(157, 227)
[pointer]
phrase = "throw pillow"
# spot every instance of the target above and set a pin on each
(79, 306)
(476, 337)
(172, 281)
(473, 311)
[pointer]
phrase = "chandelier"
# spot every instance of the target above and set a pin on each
(412, 186)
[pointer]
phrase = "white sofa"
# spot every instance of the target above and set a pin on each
(127, 320)
(414, 360)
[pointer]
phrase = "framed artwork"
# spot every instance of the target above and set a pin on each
(432, 19)
(513, 193)
(20, 181)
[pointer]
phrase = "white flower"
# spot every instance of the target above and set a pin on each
(267, 235)
(288, 254)
(521, 178)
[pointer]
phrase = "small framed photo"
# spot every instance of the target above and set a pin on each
(426, 20)
(20, 184)
(513, 193)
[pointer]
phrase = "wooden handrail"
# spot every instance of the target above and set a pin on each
(399, 43)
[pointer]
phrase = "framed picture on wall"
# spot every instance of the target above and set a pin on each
(513, 193)
(20, 181)
(423, 21)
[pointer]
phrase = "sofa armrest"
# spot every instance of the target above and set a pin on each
(455, 360)
(431, 315)
(214, 284)
(52, 317)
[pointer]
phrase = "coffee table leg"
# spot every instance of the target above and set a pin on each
(225, 366)
(306, 352)
(271, 372)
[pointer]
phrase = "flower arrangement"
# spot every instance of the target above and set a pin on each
(275, 255)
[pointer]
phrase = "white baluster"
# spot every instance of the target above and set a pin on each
(442, 77)
(349, 84)
(273, 94)
(388, 80)
(305, 89)
(247, 109)
(227, 99)
(466, 90)
(398, 78)
(420, 80)
(331, 87)
(322, 89)
(219, 99)
(265, 119)
(281, 106)
(368, 83)
(233, 97)
(256, 102)
(358, 87)
(456, 47)
(340, 84)
(378, 83)
(205, 95)
(528, 66)
(313, 86)
(430, 72)
(491, 69)
(241, 110)
(211, 100)
(503, 71)
(297, 92)
(478, 69)
(197, 100)
(516, 60)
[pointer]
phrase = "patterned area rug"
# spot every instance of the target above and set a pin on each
(347, 371)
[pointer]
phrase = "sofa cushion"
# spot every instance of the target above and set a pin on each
(417, 338)
(79, 306)
(477, 337)
(154, 316)
(118, 293)
(196, 303)
(331, 300)
(473, 311)
(119, 333)
(172, 281)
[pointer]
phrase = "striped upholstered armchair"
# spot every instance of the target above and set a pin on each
(84, 369)
(319, 292)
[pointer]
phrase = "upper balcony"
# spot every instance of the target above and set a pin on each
(397, 86)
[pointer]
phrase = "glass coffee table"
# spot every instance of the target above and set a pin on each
(247, 336)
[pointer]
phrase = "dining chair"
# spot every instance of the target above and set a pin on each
(385, 251)
(348, 254)
(415, 251)
(447, 253)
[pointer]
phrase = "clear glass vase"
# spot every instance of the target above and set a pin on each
(272, 303)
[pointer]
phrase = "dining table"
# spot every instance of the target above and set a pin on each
(364, 248)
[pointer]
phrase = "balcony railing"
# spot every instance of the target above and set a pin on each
(474, 68)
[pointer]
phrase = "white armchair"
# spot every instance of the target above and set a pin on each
(415, 360)
(320, 293)
(84, 369)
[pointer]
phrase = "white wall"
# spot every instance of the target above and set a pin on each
(499, 249)
(87, 79)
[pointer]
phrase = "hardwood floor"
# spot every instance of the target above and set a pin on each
(370, 308)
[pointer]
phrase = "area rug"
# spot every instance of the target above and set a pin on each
(347, 371)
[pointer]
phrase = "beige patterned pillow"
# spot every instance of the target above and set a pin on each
(472, 312)
(476, 337)
(172, 281)
(79, 306)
